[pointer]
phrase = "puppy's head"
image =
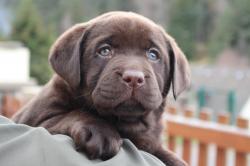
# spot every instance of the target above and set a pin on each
(122, 62)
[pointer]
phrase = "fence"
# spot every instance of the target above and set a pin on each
(206, 132)
(9, 104)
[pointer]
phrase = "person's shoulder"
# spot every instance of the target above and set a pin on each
(48, 149)
(4, 120)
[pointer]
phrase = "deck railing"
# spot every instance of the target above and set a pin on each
(204, 132)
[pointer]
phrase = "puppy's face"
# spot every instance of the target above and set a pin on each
(126, 66)
(123, 62)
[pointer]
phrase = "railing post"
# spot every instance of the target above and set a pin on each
(171, 139)
(204, 115)
(221, 152)
(187, 143)
(241, 158)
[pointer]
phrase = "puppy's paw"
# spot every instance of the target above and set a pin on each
(98, 140)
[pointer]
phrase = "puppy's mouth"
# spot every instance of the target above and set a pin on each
(125, 99)
(128, 110)
(129, 119)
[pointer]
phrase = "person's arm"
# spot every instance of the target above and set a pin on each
(21, 145)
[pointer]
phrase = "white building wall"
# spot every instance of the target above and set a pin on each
(14, 65)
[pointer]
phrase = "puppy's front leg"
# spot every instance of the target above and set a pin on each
(92, 135)
(169, 158)
(154, 147)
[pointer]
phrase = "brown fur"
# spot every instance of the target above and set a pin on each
(87, 97)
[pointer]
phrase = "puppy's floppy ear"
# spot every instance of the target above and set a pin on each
(179, 66)
(65, 55)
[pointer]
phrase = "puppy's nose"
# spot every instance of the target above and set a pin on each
(133, 78)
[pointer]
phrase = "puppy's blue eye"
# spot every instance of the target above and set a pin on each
(153, 54)
(105, 51)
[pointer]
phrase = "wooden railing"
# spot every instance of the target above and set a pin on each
(207, 132)
(9, 105)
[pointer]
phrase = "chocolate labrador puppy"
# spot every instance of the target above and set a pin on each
(112, 76)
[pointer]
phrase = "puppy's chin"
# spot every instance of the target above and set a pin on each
(107, 101)
(128, 109)
(128, 116)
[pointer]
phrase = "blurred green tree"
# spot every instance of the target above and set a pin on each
(28, 28)
(232, 29)
(70, 12)
(190, 24)
(182, 24)
(2, 37)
